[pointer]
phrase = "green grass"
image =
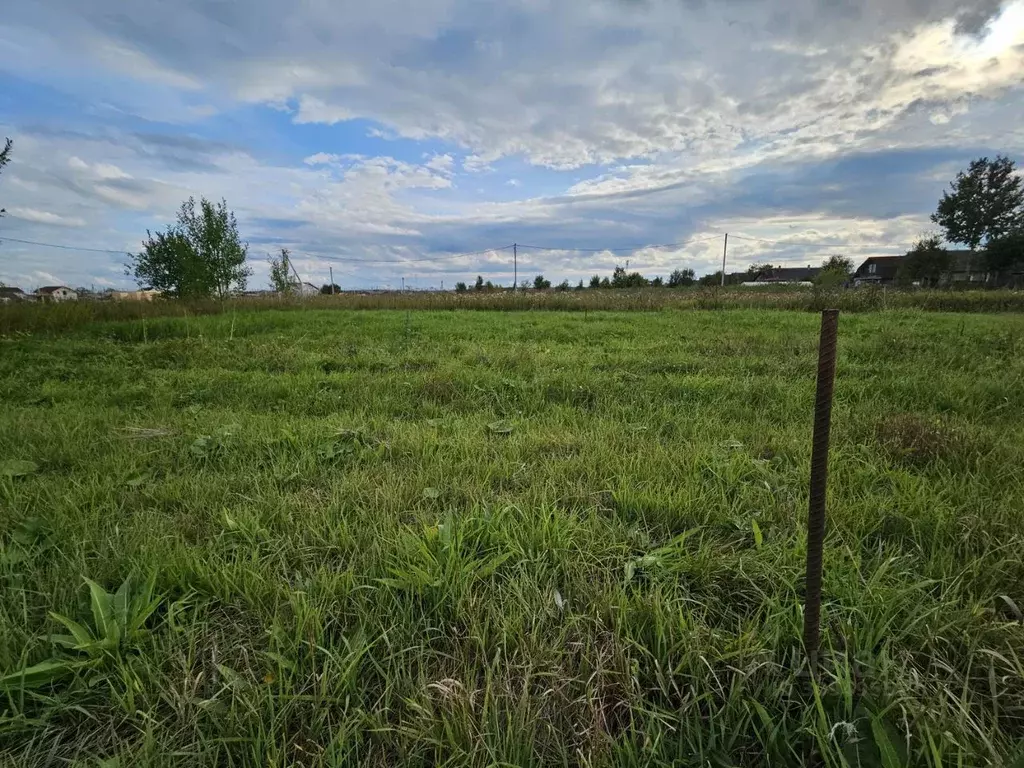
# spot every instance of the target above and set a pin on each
(466, 538)
(51, 319)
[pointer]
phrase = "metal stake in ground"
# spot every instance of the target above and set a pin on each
(819, 481)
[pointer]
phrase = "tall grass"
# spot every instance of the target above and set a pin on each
(337, 538)
(55, 318)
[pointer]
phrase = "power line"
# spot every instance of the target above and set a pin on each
(64, 247)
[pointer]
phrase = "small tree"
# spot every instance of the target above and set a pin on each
(927, 262)
(595, 281)
(540, 284)
(835, 271)
(280, 279)
(460, 287)
(199, 255)
(605, 283)
(330, 289)
(681, 278)
(489, 286)
(755, 270)
(563, 286)
(479, 284)
(579, 285)
(985, 203)
(657, 282)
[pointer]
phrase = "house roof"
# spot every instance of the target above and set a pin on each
(52, 288)
(10, 290)
(788, 275)
(886, 267)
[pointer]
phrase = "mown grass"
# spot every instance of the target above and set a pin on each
(50, 319)
(384, 538)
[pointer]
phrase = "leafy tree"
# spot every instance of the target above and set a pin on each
(330, 289)
(927, 262)
(460, 287)
(580, 286)
(657, 282)
(595, 281)
(1004, 255)
(489, 286)
(5, 158)
(622, 279)
(605, 283)
(681, 278)
(479, 284)
(835, 271)
(540, 284)
(280, 277)
(199, 255)
(563, 286)
(755, 270)
(985, 203)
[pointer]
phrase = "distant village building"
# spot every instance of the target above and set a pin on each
(57, 293)
(10, 294)
(146, 294)
(878, 270)
(967, 267)
(788, 275)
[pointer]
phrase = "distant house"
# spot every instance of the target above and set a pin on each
(145, 294)
(878, 270)
(967, 267)
(56, 293)
(10, 294)
(782, 275)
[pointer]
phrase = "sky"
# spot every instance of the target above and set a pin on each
(416, 139)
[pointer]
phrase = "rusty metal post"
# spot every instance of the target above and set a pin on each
(819, 481)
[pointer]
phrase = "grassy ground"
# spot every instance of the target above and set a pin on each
(24, 317)
(385, 538)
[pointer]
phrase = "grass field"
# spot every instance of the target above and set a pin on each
(458, 538)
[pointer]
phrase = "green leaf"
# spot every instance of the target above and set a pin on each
(431, 493)
(888, 748)
(17, 468)
(37, 675)
(83, 637)
(500, 427)
(758, 537)
(102, 614)
(120, 603)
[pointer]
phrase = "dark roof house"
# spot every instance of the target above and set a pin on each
(878, 270)
(9, 293)
(789, 275)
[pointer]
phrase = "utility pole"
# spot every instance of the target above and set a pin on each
(515, 267)
(332, 280)
(403, 285)
(725, 248)
(298, 280)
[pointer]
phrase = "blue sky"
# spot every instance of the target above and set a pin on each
(384, 140)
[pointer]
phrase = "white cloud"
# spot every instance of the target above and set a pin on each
(45, 217)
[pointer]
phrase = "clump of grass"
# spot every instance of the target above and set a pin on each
(915, 440)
